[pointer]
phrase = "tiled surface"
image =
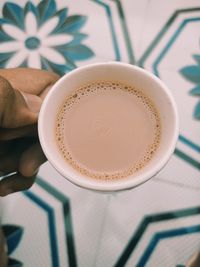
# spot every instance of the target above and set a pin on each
(157, 224)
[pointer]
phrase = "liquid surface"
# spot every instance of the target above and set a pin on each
(108, 130)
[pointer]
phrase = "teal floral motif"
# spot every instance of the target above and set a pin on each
(40, 36)
(13, 235)
(192, 73)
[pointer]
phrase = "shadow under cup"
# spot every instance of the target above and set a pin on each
(111, 71)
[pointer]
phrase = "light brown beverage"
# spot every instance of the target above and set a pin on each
(108, 130)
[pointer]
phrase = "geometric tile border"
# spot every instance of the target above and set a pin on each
(154, 218)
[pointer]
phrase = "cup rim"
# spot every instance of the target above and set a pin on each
(116, 185)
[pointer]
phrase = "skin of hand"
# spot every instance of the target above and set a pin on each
(3, 250)
(194, 260)
(22, 91)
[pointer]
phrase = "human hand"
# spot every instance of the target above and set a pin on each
(3, 250)
(22, 91)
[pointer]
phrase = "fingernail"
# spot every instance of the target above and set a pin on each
(33, 102)
(36, 171)
(5, 248)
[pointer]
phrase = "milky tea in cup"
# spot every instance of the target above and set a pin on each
(108, 126)
(108, 130)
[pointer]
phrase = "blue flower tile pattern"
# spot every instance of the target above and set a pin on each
(14, 263)
(41, 36)
(13, 235)
(67, 226)
(192, 73)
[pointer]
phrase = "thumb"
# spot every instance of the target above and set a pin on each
(22, 111)
(17, 109)
(33, 102)
(27, 107)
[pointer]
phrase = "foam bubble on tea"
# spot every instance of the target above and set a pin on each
(108, 130)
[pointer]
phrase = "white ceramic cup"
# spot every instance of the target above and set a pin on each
(121, 72)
